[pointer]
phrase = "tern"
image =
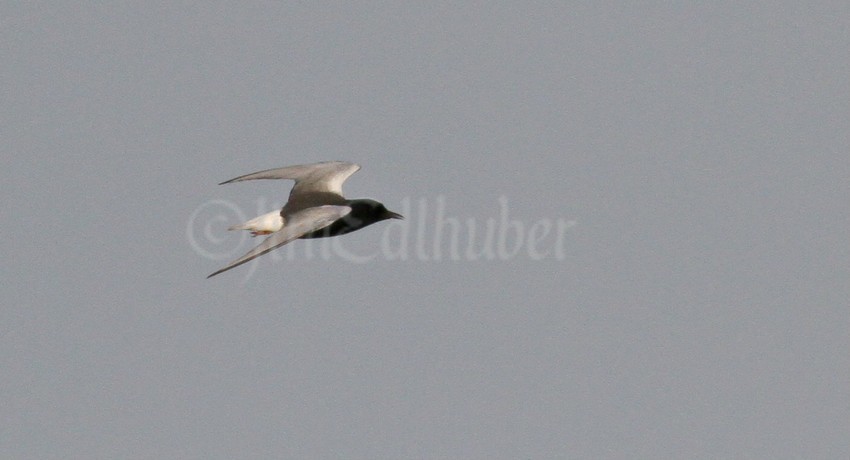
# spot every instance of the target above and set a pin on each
(315, 209)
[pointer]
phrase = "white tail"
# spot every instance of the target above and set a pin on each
(267, 223)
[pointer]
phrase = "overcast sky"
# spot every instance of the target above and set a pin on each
(665, 190)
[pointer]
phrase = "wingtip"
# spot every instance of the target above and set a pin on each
(217, 272)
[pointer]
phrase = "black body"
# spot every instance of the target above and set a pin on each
(363, 213)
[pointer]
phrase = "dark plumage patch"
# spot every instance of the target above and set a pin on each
(363, 213)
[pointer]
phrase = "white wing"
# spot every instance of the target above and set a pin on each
(297, 224)
(325, 177)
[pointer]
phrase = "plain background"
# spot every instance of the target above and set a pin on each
(701, 310)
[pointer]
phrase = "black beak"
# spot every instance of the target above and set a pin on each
(393, 215)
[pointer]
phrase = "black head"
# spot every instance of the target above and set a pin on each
(371, 211)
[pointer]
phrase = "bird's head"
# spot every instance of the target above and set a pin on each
(372, 211)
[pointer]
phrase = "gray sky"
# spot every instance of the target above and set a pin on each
(698, 309)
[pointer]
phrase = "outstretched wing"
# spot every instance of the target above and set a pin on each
(325, 177)
(297, 224)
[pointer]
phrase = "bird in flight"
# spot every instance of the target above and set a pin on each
(315, 209)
